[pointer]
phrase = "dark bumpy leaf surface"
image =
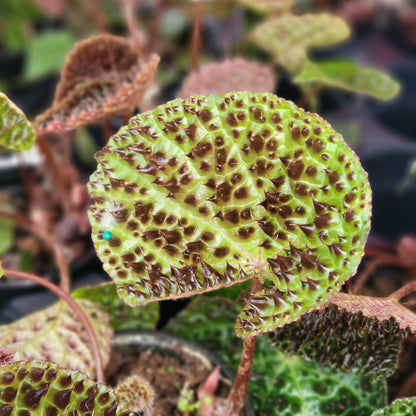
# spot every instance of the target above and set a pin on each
(351, 77)
(231, 75)
(287, 37)
(16, 132)
(41, 388)
(343, 340)
(400, 407)
(103, 76)
(122, 316)
(210, 191)
(281, 384)
(57, 335)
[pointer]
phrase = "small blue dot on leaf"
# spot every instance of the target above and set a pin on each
(107, 235)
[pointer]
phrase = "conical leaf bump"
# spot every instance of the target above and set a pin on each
(208, 191)
(41, 388)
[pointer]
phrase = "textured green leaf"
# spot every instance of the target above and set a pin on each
(46, 53)
(268, 6)
(55, 334)
(16, 132)
(400, 407)
(103, 76)
(206, 192)
(287, 37)
(351, 77)
(122, 317)
(41, 388)
(343, 340)
(231, 75)
(1, 270)
(280, 384)
(289, 386)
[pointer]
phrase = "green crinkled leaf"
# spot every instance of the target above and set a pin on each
(287, 37)
(55, 334)
(268, 6)
(16, 132)
(347, 341)
(103, 76)
(46, 53)
(41, 388)
(209, 191)
(351, 77)
(400, 407)
(122, 317)
(281, 384)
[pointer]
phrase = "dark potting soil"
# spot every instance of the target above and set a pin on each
(167, 374)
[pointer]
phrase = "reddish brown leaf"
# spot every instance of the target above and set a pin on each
(236, 74)
(6, 356)
(382, 308)
(103, 76)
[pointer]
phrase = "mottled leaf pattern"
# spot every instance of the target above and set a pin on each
(103, 76)
(287, 37)
(346, 341)
(55, 334)
(206, 192)
(16, 132)
(235, 74)
(400, 407)
(349, 76)
(41, 388)
(122, 316)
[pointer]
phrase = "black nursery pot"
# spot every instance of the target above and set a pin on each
(127, 347)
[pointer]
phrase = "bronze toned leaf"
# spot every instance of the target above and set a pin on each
(209, 191)
(343, 340)
(103, 76)
(237, 74)
(56, 335)
(6, 356)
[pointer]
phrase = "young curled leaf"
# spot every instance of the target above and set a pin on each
(235, 74)
(287, 37)
(343, 340)
(16, 132)
(209, 191)
(103, 76)
(42, 388)
(350, 77)
(55, 334)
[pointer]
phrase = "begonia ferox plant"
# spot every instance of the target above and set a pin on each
(205, 192)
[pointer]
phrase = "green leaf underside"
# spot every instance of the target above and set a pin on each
(41, 388)
(343, 340)
(122, 316)
(55, 334)
(400, 407)
(287, 37)
(281, 384)
(351, 77)
(209, 191)
(16, 132)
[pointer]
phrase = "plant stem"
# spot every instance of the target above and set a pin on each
(196, 35)
(49, 241)
(154, 34)
(239, 389)
(98, 15)
(130, 7)
(77, 309)
(55, 171)
(403, 291)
